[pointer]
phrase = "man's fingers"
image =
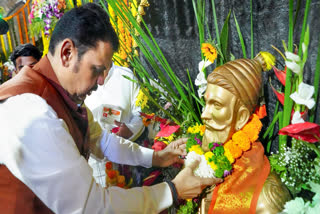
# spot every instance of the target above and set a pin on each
(210, 181)
(180, 141)
(194, 164)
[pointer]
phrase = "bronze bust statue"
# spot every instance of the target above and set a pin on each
(232, 94)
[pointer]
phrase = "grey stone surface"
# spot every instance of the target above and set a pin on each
(173, 24)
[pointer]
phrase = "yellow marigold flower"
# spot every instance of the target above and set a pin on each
(213, 166)
(166, 142)
(170, 138)
(134, 6)
(269, 59)
(209, 51)
(190, 130)
(208, 155)
(142, 99)
(241, 139)
(233, 148)
(197, 149)
(228, 154)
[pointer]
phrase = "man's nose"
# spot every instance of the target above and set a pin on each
(100, 79)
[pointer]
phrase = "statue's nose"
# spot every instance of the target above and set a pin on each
(205, 114)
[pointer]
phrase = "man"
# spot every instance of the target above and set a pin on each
(25, 54)
(44, 132)
(231, 96)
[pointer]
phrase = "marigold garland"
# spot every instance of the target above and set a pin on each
(221, 157)
(127, 44)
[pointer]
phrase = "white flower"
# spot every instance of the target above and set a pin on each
(296, 118)
(293, 63)
(294, 67)
(304, 95)
(203, 64)
(292, 56)
(204, 170)
(295, 206)
(201, 81)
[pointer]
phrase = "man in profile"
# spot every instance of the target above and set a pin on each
(44, 131)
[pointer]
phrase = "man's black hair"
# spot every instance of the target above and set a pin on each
(85, 26)
(25, 50)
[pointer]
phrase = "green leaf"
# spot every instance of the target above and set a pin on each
(243, 46)
(224, 36)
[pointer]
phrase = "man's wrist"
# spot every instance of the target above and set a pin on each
(174, 193)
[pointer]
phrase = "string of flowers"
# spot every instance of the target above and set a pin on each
(127, 44)
(218, 161)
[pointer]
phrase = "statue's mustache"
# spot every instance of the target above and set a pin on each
(211, 125)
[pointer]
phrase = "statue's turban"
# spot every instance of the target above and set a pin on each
(242, 78)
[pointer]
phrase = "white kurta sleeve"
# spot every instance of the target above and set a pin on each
(37, 148)
(122, 151)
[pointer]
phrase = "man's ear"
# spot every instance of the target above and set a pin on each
(67, 52)
(242, 117)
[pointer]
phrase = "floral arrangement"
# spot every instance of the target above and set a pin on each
(45, 14)
(127, 43)
(298, 205)
(114, 179)
(297, 160)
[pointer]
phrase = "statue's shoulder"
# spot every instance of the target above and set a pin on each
(273, 196)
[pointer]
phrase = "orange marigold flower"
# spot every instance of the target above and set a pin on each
(209, 51)
(252, 132)
(202, 129)
(233, 148)
(241, 139)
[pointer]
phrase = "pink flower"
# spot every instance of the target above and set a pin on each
(309, 132)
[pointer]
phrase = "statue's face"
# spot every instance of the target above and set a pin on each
(219, 115)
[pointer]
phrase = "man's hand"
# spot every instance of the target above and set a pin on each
(188, 185)
(171, 154)
(124, 131)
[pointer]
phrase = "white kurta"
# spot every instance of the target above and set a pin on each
(120, 93)
(38, 149)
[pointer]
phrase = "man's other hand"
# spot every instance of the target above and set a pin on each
(171, 154)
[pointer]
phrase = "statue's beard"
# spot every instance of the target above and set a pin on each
(214, 136)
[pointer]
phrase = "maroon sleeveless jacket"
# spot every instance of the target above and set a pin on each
(15, 196)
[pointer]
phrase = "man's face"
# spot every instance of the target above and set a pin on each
(24, 60)
(90, 71)
(218, 115)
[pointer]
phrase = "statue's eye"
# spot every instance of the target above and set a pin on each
(217, 105)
